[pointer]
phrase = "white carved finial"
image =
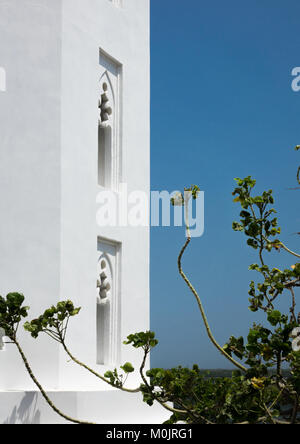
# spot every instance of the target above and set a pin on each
(104, 106)
(103, 283)
(2, 79)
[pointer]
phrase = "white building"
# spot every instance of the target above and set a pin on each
(60, 60)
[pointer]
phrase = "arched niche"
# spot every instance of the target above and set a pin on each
(104, 310)
(106, 132)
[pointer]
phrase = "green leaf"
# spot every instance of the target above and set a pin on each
(127, 368)
(274, 317)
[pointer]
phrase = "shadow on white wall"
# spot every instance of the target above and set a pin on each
(26, 412)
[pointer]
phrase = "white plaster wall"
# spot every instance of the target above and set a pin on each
(122, 33)
(30, 159)
(105, 407)
(48, 173)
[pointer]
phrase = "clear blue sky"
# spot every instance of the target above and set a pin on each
(222, 107)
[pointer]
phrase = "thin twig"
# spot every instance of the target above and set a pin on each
(81, 364)
(288, 250)
(199, 302)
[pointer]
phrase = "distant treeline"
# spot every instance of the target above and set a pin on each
(222, 373)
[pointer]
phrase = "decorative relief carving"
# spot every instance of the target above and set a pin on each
(107, 146)
(104, 311)
(109, 128)
(104, 282)
(104, 106)
(108, 328)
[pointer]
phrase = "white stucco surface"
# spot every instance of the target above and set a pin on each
(49, 50)
(106, 407)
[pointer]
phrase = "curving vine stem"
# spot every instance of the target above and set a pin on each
(199, 302)
(43, 393)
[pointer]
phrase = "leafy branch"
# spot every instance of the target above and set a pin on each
(192, 192)
(54, 323)
(12, 312)
(260, 387)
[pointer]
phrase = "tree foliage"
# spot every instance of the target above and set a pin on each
(259, 390)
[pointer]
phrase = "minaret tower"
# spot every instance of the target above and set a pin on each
(74, 120)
